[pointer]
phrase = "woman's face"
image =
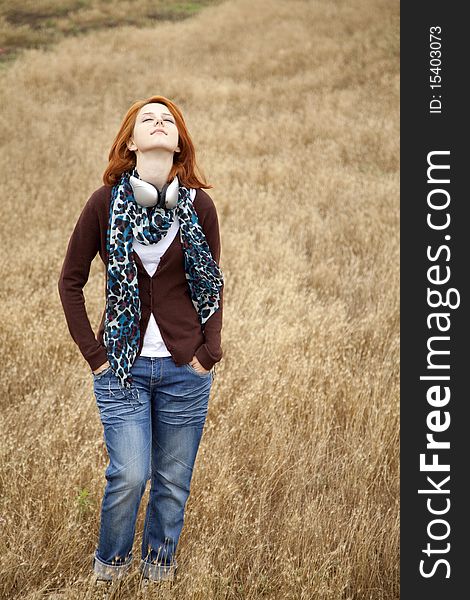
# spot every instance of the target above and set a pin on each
(155, 127)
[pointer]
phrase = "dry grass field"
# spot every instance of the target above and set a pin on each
(294, 110)
(39, 24)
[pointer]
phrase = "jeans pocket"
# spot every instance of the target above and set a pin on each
(191, 369)
(101, 374)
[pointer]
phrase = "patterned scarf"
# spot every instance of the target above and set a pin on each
(127, 220)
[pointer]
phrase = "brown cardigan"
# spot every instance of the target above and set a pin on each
(166, 293)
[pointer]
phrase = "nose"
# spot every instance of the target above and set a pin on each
(159, 120)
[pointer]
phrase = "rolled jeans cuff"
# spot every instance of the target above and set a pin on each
(110, 572)
(157, 572)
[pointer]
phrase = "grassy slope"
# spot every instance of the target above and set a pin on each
(33, 24)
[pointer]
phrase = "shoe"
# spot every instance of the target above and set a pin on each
(103, 588)
(147, 585)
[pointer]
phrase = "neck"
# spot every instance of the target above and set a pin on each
(154, 167)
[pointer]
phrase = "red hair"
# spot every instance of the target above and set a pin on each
(184, 162)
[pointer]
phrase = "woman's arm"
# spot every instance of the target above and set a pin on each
(82, 248)
(211, 351)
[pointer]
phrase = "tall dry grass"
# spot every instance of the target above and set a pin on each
(293, 107)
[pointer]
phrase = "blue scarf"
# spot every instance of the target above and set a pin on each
(127, 220)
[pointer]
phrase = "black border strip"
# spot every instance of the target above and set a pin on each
(434, 259)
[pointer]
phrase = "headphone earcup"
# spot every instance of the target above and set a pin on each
(145, 193)
(148, 195)
(170, 192)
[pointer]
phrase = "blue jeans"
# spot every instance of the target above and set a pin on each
(156, 438)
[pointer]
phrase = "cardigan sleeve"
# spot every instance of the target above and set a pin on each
(210, 351)
(82, 248)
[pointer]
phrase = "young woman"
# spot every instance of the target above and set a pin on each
(152, 361)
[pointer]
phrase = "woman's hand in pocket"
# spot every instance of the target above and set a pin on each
(102, 368)
(198, 367)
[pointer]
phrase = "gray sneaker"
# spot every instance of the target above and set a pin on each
(103, 588)
(147, 585)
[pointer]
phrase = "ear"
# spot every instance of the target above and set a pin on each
(131, 145)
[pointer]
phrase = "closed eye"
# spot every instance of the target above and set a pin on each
(150, 119)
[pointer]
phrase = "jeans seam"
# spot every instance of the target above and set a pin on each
(174, 458)
(129, 463)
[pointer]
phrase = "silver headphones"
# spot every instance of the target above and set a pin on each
(147, 195)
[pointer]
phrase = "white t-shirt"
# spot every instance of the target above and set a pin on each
(150, 255)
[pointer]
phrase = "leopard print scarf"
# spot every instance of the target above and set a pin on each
(127, 219)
